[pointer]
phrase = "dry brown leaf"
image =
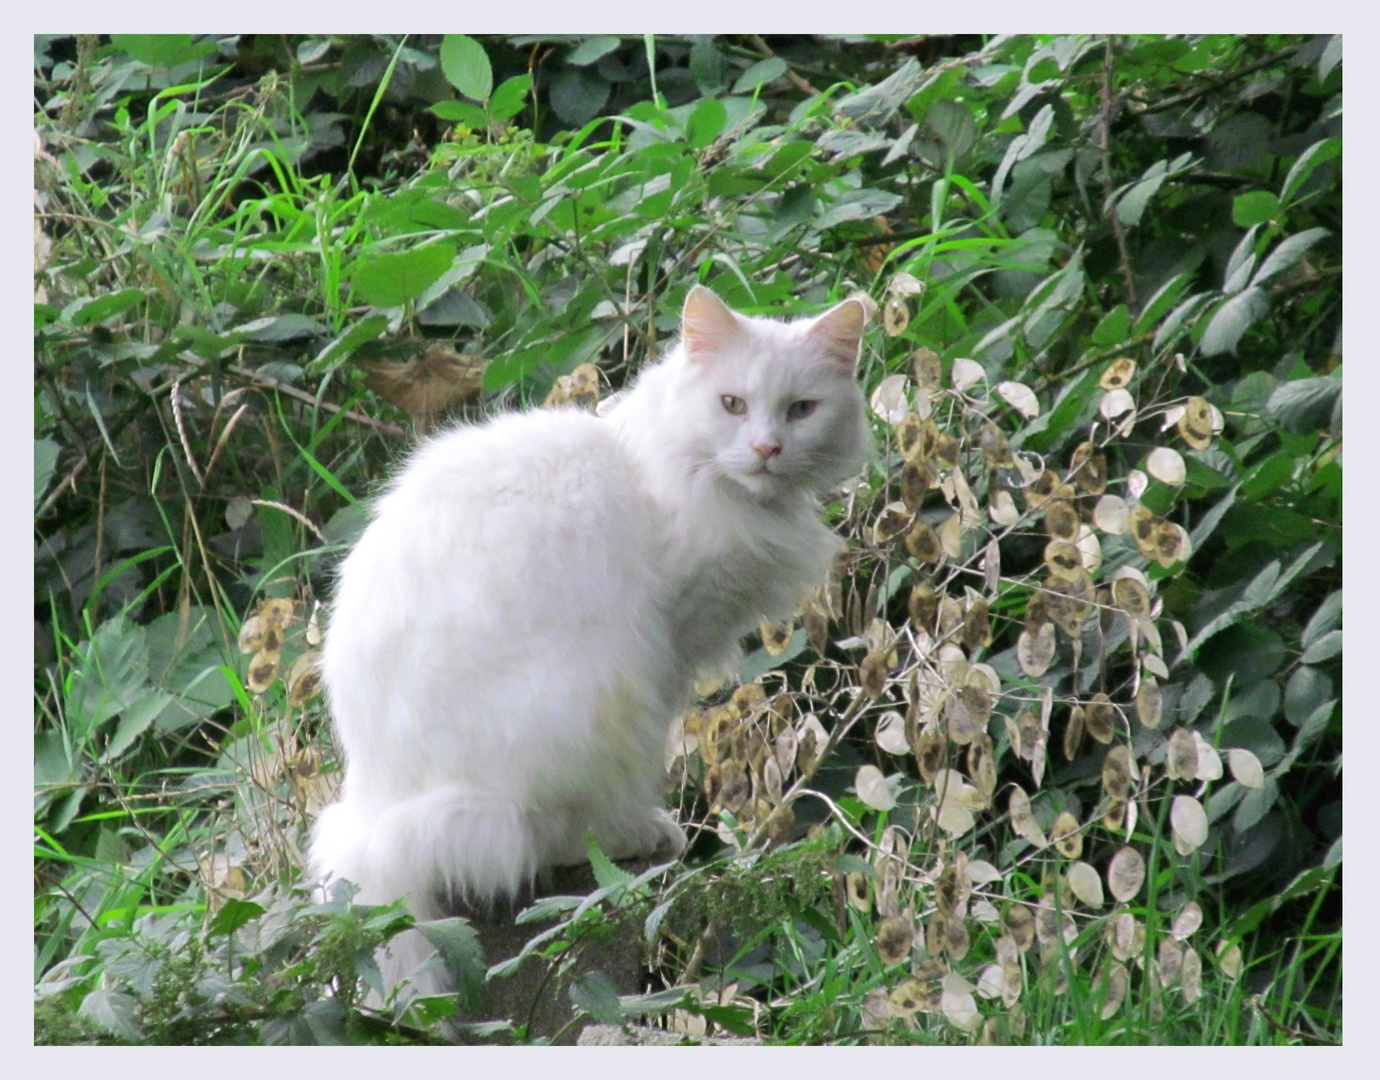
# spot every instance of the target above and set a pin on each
(428, 385)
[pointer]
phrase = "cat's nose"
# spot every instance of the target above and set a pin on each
(766, 450)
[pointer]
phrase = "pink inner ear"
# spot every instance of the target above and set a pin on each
(839, 330)
(707, 325)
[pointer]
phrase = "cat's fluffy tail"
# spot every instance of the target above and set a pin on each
(451, 840)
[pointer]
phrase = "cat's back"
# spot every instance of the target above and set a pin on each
(501, 504)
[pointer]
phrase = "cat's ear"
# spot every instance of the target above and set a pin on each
(707, 324)
(839, 331)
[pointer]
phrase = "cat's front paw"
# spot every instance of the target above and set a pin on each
(668, 838)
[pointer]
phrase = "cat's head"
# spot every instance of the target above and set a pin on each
(771, 406)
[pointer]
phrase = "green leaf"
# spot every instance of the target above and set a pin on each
(591, 49)
(596, 995)
(116, 1011)
(461, 112)
(1303, 406)
(764, 71)
(1263, 588)
(1289, 251)
(110, 674)
(45, 463)
(1320, 152)
(1232, 320)
(458, 943)
(511, 97)
(1113, 327)
(466, 66)
(577, 94)
(234, 914)
(344, 346)
(107, 307)
(134, 721)
(1255, 804)
(1328, 615)
(162, 50)
(1254, 208)
(392, 278)
(1325, 648)
(706, 122)
(606, 874)
(1331, 57)
(1306, 689)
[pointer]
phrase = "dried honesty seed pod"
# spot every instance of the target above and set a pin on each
(1149, 702)
(1070, 602)
(894, 938)
(1022, 819)
(995, 448)
(1085, 884)
(1001, 507)
(1114, 987)
(1101, 718)
(776, 636)
(916, 482)
(1166, 464)
(304, 678)
(1061, 521)
(1181, 755)
(1144, 524)
(1195, 425)
(966, 373)
(1089, 468)
(1118, 374)
(945, 451)
(927, 368)
(263, 669)
(1068, 839)
(1035, 651)
(908, 434)
(1118, 403)
(1036, 610)
(895, 316)
(977, 627)
(1118, 773)
(1189, 823)
(930, 753)
(872, 674)
(889, 399)
(1191, 976)
(1073, 732)
(922, 542)
(1112, 515)
(1020, 924)
(1089, 549)
(1131, 597)
(891, 522)
(923, 606)
(1125, 874)
(1042, 489)
(1245, 768)
(1063, 560)
(1020, 397)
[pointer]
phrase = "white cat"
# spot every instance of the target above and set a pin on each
(535, 596)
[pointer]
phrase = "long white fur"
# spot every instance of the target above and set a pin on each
(528, 610)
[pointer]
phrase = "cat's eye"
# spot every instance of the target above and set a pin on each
(735, 406)
(800, 409)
